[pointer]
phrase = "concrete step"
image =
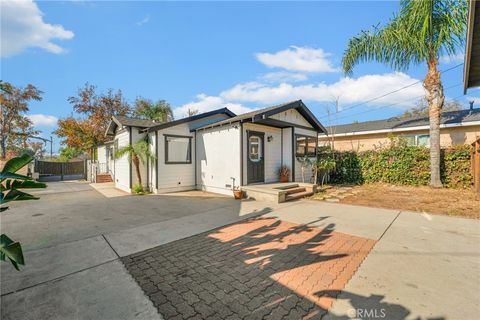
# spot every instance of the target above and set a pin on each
(299, 195)
(296, 190)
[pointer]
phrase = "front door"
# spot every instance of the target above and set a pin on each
(255, 161)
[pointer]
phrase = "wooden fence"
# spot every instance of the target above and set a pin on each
(60, 169)
(476, 165)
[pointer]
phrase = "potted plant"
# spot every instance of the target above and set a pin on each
(284, 173)
(237, 193)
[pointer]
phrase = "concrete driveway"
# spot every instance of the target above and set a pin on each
(419, 267)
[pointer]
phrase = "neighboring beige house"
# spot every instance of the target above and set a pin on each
(457, 128)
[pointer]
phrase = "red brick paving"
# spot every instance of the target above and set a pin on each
(256, 269)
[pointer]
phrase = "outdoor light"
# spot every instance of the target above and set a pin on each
(269, 138)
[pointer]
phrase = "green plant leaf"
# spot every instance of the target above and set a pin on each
(17, 195)
(9, 175)
(25, 184)
(11, 250)
(14, 164)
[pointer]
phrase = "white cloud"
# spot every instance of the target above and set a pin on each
(206, 103)
(303, 59)
(283, 76)
(23, 27)
(143, 21)
(457, 58)
(43, 120)
(348, 90)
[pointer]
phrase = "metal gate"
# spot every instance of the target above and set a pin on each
(59, 171)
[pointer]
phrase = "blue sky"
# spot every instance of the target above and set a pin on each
(206, 55)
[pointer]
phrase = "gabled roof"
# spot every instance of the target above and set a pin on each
(123, 121)
(263, 114)
(192, 118)
(451, 118)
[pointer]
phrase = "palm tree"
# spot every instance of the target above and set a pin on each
(420, 33)
(137, 152)
(160, 111)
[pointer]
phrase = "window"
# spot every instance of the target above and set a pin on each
(178, 149)
(255, 148)
(306, 146)
(418, 140)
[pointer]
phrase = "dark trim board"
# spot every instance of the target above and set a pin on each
(166, 136)
(294, 151)
(241, 154)
(156, 160)
(130, 162)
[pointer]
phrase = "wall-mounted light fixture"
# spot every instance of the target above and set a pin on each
(270, 138)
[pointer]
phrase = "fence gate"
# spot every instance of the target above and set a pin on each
(59, 171)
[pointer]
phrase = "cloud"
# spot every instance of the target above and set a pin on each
(206, 103)
(23, 27)
(43, 120)
(303, 59)
(283, 76)
(348, 90)
(143, 21)
(457, 58)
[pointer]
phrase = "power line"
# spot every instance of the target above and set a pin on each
(392, 92)
(397, 103)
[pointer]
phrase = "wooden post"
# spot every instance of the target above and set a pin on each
(476, 166)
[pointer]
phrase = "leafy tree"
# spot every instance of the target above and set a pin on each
(68, 153)
(88, 131)
(160, 111)
(137, 152)
(10, 183)
(420, 33)
(421, 108)
(192, 112)
(15, 127)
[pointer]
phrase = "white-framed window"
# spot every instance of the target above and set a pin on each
(178, 149)
(422, 140)
(255, 148)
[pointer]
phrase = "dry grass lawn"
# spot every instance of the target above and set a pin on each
(452, 202)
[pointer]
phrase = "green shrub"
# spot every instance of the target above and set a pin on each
(137, 188)
(401, 164)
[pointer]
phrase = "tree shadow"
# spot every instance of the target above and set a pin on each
(261, 268)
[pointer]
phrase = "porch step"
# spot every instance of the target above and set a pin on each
(295, 190)
(103, 178)
(298, 195)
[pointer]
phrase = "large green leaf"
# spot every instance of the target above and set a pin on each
(11, 250)
(17, 195)
(9, 175)
(25, 184)
(14, 164)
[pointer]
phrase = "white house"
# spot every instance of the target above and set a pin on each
(216, 150)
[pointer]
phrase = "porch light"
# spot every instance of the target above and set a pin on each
(270, 138)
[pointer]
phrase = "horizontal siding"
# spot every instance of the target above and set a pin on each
(308, 174)
(292, 116)
(122, 166)
(218, 158)
(137, 136)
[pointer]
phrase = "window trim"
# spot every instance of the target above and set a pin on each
(306, 146)
(415, 139)
(259, 144)
(189, 161)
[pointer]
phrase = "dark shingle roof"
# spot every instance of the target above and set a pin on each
(134, 122)
(159, 126)
(450, 118)
(266, 112)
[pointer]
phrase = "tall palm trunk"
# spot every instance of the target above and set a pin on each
(136, 162)
(435, 98)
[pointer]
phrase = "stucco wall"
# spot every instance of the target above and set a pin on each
(218, 158)
(448, 137)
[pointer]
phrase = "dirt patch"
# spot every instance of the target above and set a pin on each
(451, 202)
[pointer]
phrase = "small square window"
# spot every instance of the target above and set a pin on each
(178, 149)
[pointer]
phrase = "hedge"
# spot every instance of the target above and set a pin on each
(401, 164)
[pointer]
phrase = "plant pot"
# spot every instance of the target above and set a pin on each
(238, 194)
(283, 178)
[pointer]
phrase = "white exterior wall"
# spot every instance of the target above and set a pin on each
(153, 163)
(102, 154)
(292, 116)
(298, 166)
(122, 165)
(218, 158)
(272, 152)
(287, 150)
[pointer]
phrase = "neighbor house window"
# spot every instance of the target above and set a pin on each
(178, 149)
(306, 146)
(418, 140)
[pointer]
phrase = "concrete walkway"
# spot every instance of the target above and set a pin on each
(421, 267)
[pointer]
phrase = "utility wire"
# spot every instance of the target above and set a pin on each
(392, 92)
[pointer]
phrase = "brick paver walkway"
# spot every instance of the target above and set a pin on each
(256, 269)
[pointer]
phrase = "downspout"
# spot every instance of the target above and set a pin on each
(293, 154)
(130, 162)
(195, 160)
(156, 159)
(241, 153)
